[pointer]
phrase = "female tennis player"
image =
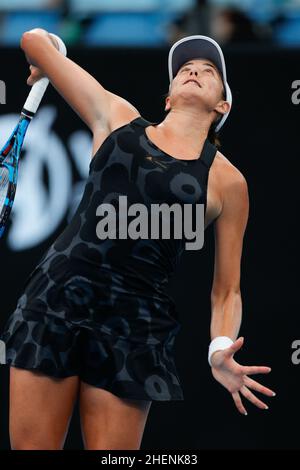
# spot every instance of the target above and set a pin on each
(94, 320)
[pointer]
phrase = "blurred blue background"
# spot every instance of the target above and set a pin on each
(153, 22)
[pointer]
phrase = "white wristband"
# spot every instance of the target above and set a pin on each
(217, 344)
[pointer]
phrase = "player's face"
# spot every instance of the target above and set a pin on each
(197, 79)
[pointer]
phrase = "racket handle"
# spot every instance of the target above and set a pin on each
(61, 45)
(38, 89)
(36, 94)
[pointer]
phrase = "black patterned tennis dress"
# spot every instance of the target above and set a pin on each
(97, 308)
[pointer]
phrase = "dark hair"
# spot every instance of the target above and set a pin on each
(212, 136)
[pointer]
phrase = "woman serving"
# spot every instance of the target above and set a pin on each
(94, 320)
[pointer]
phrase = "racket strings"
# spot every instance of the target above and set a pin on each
(9, 159)
(4, 184)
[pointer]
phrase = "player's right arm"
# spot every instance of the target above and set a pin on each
(101, 110)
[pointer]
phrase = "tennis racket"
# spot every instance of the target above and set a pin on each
(11, 151)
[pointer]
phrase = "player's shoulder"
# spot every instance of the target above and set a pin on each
(122, 112)
(228, 173)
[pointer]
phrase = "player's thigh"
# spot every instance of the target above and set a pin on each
(111, 422)
(40, 408)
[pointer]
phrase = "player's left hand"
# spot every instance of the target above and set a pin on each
(234, 376)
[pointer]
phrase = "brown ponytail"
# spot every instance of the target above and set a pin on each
(213, 136)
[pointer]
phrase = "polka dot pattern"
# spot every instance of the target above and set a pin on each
(97, 308)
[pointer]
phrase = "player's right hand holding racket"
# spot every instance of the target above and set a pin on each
(10, 152)
(36, 73)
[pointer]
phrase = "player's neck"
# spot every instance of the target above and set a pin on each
(190, 126)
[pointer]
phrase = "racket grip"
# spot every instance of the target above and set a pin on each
(35, 96)
(61, 45)
(38, 89)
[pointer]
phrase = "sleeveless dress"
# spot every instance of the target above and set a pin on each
(97, 308)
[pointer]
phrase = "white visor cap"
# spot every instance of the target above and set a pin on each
(193, 47)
